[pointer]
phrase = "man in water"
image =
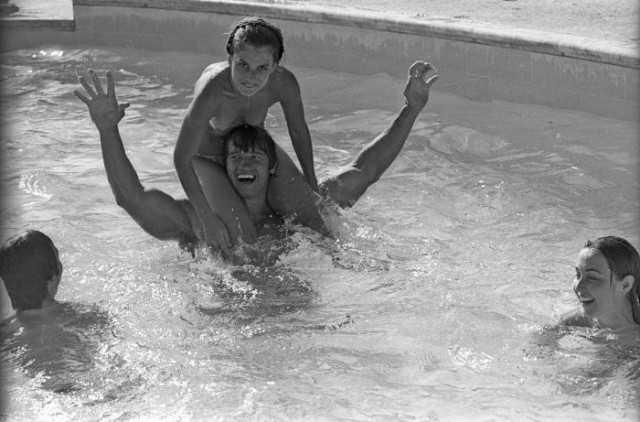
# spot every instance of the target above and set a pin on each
(54, 339)
(31, 270)
(250, 161)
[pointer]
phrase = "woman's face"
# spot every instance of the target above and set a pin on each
(251, 68)
(595, 285)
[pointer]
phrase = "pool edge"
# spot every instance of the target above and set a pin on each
(626, 54)
(476, 61)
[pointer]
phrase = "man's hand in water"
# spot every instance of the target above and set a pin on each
(103, 107)
(417, 89)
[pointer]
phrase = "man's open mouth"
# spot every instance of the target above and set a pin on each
(245, 178)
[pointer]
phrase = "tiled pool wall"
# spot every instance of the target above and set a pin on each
(483, 66)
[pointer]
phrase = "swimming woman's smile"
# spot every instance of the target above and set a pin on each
(593, 283)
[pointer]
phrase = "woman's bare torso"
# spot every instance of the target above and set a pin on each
(232, 108)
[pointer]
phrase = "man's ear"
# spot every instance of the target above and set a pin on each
(273, 169)
(627, 283)
(52, 285)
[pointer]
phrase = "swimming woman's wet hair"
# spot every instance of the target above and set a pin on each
(249, 138)
(257, 32)
(27, 262)
(623, 260)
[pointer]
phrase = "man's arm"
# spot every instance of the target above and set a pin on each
(346, 187)
(157, 213)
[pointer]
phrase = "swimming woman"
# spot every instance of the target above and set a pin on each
(240, 91)
(607, 286)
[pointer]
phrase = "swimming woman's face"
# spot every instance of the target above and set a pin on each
(250, 68)
(595, 284)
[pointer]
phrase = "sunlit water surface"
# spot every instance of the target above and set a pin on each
(430, 306)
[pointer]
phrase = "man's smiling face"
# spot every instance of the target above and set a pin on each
(248, 171)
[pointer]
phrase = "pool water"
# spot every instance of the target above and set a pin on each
(431, 305)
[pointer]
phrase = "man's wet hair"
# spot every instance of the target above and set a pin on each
(249, 138)
(27, 262)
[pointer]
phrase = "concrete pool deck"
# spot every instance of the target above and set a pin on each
(595, 30)
(597, 19)
(489, 57)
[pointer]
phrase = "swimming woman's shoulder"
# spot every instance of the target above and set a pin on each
(575, 319)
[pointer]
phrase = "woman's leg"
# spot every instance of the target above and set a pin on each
(224, 201)
(292, 197)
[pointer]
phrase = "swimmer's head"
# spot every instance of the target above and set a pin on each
(258, 33)
(249, 138)
(624, 261)
(31, 270)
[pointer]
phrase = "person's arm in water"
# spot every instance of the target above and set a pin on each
(291, 101)
(192, 133)
(157, 213)
(350, 183)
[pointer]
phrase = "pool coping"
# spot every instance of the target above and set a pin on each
(56, 15)
(624, 54)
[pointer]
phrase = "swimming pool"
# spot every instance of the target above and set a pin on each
(430, 306)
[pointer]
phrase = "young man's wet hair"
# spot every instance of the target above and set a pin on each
(28, 265)
(249, 138)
